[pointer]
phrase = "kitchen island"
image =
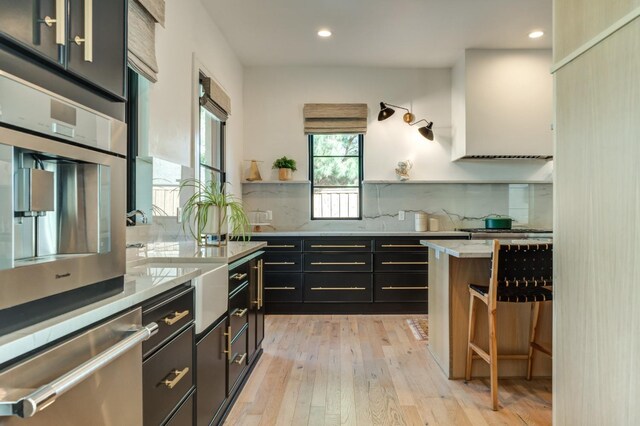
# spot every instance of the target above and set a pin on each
(453, 264)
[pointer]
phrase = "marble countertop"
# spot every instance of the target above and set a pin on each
(426, 234)
(473, 248)
(151, 270)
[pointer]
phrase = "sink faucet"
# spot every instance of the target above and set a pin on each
(133, 213)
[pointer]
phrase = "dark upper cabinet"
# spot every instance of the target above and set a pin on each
(37, 25)
(97, 44)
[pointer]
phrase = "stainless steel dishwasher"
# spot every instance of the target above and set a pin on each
(94, 378)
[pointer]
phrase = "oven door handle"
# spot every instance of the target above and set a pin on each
(46, 395)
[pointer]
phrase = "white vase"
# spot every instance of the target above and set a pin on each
(214, 227)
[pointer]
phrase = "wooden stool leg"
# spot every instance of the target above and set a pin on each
(471, 335)
(535, 316)
(493, 356)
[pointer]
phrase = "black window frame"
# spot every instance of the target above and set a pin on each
(221, 115)
(131, 119)
(360, 176)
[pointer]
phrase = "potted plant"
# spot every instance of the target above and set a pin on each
(211, 210)
(286, 167)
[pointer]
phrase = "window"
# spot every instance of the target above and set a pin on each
(335, 171)
(212, 137)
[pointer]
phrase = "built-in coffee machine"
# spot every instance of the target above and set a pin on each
(62, 204)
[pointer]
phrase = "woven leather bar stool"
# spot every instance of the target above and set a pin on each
(520, 273)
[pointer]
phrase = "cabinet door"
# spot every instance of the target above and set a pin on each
(260, 311)
(23, 22)
(254, 304)
(212, 374)
(96, 47)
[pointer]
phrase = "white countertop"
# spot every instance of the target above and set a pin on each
(151, 270)
(426, 234)
(473, 248)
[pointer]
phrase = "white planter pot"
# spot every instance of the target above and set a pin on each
(212, 226)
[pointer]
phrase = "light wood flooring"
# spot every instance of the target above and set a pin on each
(370, 370)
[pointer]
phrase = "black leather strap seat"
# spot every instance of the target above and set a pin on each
(517, 294)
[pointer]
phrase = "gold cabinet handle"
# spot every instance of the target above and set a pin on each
(241, 360)
(338, 246)
(228, 350)
(179, 375)
(279, 263)
(405, 263)
(403, 246)
(406, 288)
(238, 276)
(338, 288)
(88, 32)
(281, 245)
(177, 316)
(240, 312)
(279, 288)
(338, 263)
(59, 21)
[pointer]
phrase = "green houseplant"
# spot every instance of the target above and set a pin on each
(286, 167)
(211, 210)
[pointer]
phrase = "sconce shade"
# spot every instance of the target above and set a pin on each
(385, 112)
(427, 131)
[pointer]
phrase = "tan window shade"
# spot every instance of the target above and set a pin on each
(214, 93)
(335, 118)
(143, 16)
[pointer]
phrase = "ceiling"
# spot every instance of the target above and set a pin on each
(387, 33)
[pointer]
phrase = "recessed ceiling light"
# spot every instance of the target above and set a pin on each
(536, 34)
(324, 33)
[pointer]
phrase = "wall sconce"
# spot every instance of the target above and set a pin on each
(408, 117)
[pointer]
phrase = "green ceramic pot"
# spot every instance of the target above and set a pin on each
(498, 223)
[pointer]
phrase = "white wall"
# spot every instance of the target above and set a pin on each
(189, 31)
(274, 98)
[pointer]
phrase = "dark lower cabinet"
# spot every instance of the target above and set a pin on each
(237, 360)
(184, 415)
(256, 307)
(212, 374)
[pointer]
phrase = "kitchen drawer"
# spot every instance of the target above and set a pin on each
(281, 287)
(281, 262)
(171, 314)
(336, 288)
(238, 276)
(184, 415)
(281, 244)
(399, 262)
(399, 244)
(398, 287)
(337, 262)
(337, 244)
(238, 361)
(167, 376)
(212, 374)
(239, 308)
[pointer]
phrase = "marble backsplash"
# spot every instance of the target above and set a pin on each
(463, 205)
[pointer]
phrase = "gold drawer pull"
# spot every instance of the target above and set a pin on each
(405, 263)
(239, 277)
(279, 263)
(338, 263)
(177, 316)
(281, 245)
(241, 312)
(241, 360)
(179, 375)
(403, 245)
(228, 350)
(338, 246)
(279, 288)
(338, 288)
(406, 288)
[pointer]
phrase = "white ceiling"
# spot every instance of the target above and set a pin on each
(395, 33)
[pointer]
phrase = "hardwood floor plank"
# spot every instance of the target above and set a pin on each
(369, 370)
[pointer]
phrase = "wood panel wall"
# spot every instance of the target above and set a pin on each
(596, 378)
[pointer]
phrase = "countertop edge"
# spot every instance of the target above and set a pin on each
(361, 233)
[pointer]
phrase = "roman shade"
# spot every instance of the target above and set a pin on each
(214, 97)
(143, 16)
(335, 118)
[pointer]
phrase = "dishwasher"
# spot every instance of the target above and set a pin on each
(94, 378)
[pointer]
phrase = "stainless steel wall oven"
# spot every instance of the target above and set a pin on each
(62, 204)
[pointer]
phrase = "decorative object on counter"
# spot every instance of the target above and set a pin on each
(286, 167)
(260, 218)
(421, 221)
(212, 211)
(403, 169)
(385, 112)
(434, 224)
(498, 222)
(254, 171)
